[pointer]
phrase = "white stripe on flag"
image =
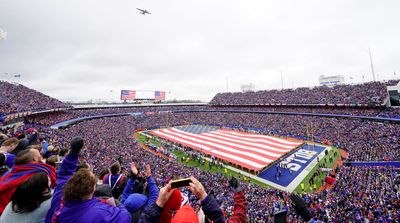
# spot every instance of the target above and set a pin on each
(255, 140)
(264, 160)
(240, 159)
(229, 142)
(261, 136)
(248, 142)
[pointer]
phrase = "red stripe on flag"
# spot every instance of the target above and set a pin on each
(219, 147)
(255, 136)
(243, 141)
(231, 160)
(227, 143)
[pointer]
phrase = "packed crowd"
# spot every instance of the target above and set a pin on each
(365, 140)
(361, 194)
(16, 98)
(56, 117)
(52, 118)
(366, 93)
(390, 113)
(134, 185)
(371, 193)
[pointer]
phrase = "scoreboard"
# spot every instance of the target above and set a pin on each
(142, 95)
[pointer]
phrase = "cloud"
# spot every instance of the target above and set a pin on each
(190, 47)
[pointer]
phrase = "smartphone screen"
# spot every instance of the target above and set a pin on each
(180, 183)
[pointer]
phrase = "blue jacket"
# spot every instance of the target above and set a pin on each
(92, 210)
(9, 159)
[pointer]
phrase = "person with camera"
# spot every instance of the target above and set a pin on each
(209, 205)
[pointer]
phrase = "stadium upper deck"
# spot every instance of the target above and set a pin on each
(371, 93)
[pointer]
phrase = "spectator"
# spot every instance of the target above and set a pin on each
(115, 179)
(209, 205)
(6, 148)
(22, 145)
(73, 199)
(136, 202)
(27, 163)
(30, 201)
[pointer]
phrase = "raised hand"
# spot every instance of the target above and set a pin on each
(300, 206)
(164, 195)
(197, 189)
(147, 172)
(134, 169)
(76, 145)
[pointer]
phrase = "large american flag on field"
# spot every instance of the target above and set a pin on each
(128, 95)
(251, 151)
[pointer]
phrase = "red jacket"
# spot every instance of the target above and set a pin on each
(240, 209)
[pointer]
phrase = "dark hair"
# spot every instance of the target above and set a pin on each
(30, 194)
(21, 136)
(103, 173)
(2, 159)
(79, 185)
(63, 152)
(24, 157)
(115, 168)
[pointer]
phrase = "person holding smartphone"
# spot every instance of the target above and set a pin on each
(209, 205)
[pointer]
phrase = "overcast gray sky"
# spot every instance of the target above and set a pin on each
(79, 50)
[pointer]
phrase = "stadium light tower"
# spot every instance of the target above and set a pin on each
(372, 64)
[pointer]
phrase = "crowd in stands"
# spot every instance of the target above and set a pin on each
(365, 140)
(94, 170)
(366, 93)
(371, 193)
(57, 117)
(53, 118)
(16, 98)
(390, 113)
(361, 194)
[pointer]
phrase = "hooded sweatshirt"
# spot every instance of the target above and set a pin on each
(92, 210)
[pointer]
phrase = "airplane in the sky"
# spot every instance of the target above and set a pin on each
(143, 11)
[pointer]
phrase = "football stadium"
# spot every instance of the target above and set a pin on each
(199, 112)
(343, 160)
